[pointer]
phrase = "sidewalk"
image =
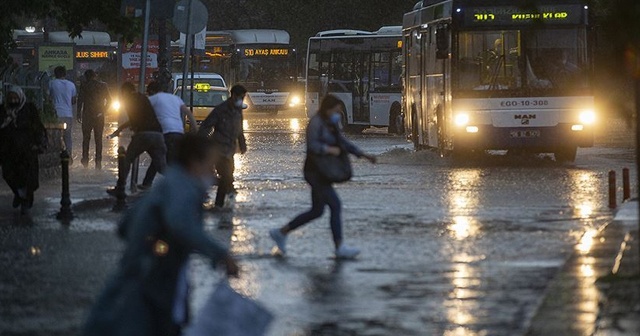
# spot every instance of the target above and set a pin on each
(87, 189)
(597, 292)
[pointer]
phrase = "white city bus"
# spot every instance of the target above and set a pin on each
(363, 69)
(499, 74)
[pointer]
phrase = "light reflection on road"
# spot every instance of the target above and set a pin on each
(462, 199)
(585, 193)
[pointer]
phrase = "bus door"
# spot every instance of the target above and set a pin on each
(360, 88)
(340, 81)
(414, 86)
(434, 90)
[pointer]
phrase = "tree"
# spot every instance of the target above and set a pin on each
(74, 15)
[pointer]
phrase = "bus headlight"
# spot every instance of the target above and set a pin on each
(461, 119)
(295, 101)
(115, 105)
(587, 117)
(472, 129)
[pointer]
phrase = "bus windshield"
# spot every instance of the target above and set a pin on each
(550, 61)
(265, 70)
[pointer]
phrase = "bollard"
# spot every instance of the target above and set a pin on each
(65, 213)
(612, 190)
(120, 192)
(626, 185)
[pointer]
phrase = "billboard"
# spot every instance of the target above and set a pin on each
(50, 56)
(131, 61)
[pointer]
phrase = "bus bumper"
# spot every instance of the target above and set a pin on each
(540, 139)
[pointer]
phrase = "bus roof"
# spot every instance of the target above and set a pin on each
(342, 32)
(427, 3)
(251, 36)
(383, 31)
(389, 30)
(88, 38)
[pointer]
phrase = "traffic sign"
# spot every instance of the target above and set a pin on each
(199, 16)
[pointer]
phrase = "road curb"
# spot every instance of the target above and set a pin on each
(572, 301)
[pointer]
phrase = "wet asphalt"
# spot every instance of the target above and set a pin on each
(448, 248)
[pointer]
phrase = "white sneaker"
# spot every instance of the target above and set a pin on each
(346, 252)
(280, 239)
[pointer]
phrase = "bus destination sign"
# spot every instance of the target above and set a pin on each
(512, 15)
(258, 52)
(92, 54)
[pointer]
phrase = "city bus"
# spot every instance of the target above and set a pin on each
(262, 60)
(499, 75)
(95, 51)
(363, 69)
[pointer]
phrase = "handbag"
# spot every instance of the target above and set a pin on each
(332, 168)
(228, 313)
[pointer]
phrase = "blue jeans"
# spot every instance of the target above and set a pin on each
(322, 194)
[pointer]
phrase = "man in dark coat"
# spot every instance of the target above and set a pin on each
(147, 134)
(93, 102)
(224, 125)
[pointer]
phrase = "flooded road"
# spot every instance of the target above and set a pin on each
(448, 248)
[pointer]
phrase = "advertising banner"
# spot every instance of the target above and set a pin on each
(131, 62)
(50, 57)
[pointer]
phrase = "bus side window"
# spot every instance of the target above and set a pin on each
(442, 42)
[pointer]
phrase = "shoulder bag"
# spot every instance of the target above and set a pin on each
(334, 169)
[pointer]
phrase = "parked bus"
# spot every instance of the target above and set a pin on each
(361, 68)
(262, 60)
(499, 74)
(95, 51)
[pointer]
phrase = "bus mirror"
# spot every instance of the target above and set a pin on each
(442, 43)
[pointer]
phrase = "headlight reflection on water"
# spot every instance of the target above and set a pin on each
(463, 227)
(462, 202)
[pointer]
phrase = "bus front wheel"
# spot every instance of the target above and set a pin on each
(565, 154)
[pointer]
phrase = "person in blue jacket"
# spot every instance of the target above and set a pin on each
(323, 137)
(148, 293)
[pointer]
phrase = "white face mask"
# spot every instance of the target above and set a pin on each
(239, 103)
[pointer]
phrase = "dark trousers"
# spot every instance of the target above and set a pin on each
(171, 140)
(322, 194)
(95, 125)
(150, 142)
(224, 168)
(21, 172)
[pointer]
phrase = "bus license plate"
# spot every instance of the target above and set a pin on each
(525, 133)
